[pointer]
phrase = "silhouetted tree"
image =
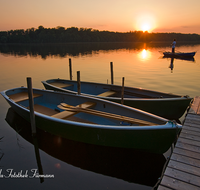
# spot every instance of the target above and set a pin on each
(74, 34)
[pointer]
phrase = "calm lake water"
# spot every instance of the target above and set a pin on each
(73, 165)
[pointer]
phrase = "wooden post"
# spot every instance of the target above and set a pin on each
(70, 69)
(37, 154)
(111, 70)
(78, 83)
(31, 105)
(122, 96)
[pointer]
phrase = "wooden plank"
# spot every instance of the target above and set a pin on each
(184, 167)
(163, 188)
(192, 115)
(192, 118)
(183, 176)
(195, 105)
(190, 136)
(60, 84)
(177, 184)
(18, 97)
(188, 153)
(186, 160)
(107, 93)
(191, 127)
(189, 132)
(189, 141)
(44, 110)
(180, 144)
(66, 114)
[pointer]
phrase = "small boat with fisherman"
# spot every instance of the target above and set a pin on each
(179, 54)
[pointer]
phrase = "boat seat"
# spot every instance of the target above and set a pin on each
(48, 111)
(107, 93)
(60, 85)
(45, 110)
(66, 114)
(21, 96)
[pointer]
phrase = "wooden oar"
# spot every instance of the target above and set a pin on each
(104, 114)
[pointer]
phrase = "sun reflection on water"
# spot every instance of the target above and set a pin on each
(144, 55)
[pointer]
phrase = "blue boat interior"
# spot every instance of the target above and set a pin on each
(49, 104)
(102, 90)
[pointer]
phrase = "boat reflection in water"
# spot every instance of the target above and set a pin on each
(126, 164)
(171, 66)
(182, 58)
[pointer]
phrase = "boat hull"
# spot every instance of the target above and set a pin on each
(97, 157)
(187, 55)
(165, 105)
(154, 139)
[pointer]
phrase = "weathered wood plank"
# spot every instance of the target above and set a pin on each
(192, 115)
(184, 167)
(183, 176)
(188, 153)
(44, 110)
(190, 132)
(189, 141)
(163, 188)
(186, 160)
(192, 123)
(181, 144)
(190, 136)
(107, 93)
(192, 118)
(176, 184)
(191, 127)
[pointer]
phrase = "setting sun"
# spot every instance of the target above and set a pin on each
(145, 27)
(145, 23)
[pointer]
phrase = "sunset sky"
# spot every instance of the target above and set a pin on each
(181, 16)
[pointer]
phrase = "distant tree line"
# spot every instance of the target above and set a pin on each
(74, 34)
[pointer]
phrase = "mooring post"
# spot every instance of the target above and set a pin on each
(122, 95)
(111, 70)
(78, 82)
(31, 105)
(70, 69)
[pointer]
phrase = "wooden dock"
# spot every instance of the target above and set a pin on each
(183, 169)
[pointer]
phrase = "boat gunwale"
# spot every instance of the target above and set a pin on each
(178, 97)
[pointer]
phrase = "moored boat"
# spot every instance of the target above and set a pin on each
(166, 105)
(94, 121)
(90, 157)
